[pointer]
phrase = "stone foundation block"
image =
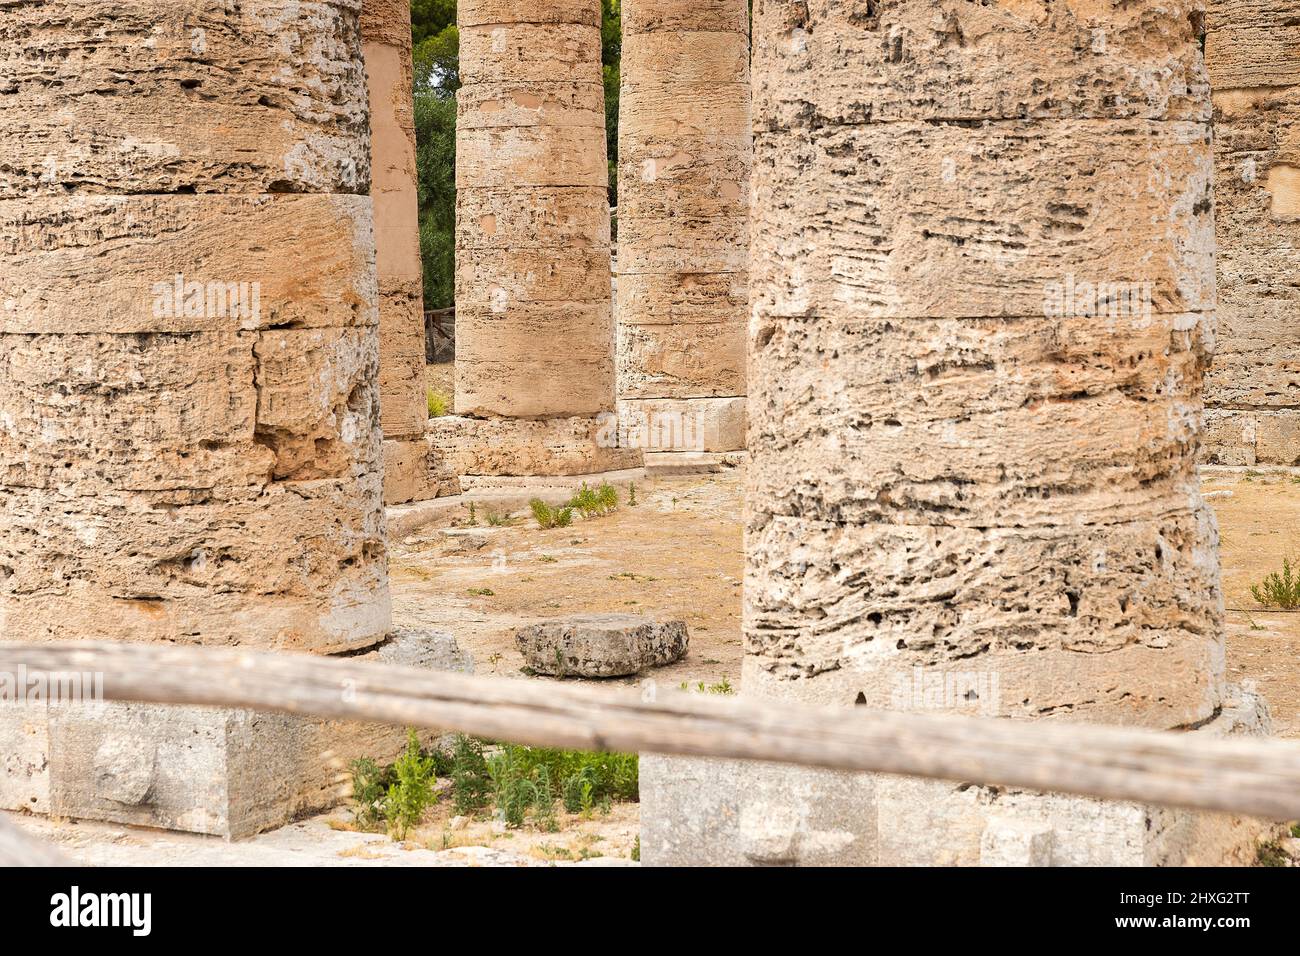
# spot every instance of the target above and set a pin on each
(215, 771)
(697, 812)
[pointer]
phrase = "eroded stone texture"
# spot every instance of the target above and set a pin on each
(975, 378)
(189, 424)
(152, 96)
(386, 30)
(1253, 390)
(534, 324)
(578, 445)
(685, 149)
(601, 645)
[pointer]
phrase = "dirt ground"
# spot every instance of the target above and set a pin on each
(679, 554)
(1259, 523)
(676, 554)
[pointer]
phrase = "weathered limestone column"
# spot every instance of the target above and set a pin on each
(983, 295)
(534, 325)
(188, 419)
(1253, 392)
(685, 150)
(386, 30)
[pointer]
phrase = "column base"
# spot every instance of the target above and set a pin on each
(1249, 437)
(684, 425)
(697, 812)
(520, 448)
(208, 770)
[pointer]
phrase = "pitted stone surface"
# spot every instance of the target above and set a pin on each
(155, 96)
(189, 428)
(602, 645)
(975, 387)
(1253, 390)
(579, 445)
(685, 149)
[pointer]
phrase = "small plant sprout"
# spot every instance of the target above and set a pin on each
(439, 404)
(548, 517)
(1279, 590)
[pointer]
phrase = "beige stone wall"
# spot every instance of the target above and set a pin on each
(1253, 392)
(200, 463)
(963, 462)
(685, 150)
(533, 312)
(386, 30)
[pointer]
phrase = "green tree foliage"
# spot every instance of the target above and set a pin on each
(436, 48)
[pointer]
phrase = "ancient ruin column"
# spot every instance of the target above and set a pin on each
(534, 325)
(983, 289)
(386, 30)
(1253, 392)
(685, 149)
(189, 425)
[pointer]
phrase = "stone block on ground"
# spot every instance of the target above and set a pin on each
(602, 645)
(216, 771)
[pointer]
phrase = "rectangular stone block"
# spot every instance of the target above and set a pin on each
(552, 52)
(828, 62)
(490, 12)
(24, 756)
(1231, 437)
(683, 244)
(1105, 622)
(408, 472)
(403, 391)
(495, 281)
(579, 445)
(690, 56)
(201, 566)
(1278, 437)
(520, 156)
(497, 104)
(552, 218)
(660, 180)
(965, 229)
(684, 425)
(171, 99)
(700, 812)
(976, 422)
(677, 15)
(1252, 43)
(667, 110)
(683, 298)
(681, 361)
(110, 263)
(215, 771)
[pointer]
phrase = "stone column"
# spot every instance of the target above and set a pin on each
(983, 294)
(189, 425)
(1253, 392)
(685, 150)
(386, 30)
(534, 326)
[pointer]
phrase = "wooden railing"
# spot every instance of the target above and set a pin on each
(1256, 777)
